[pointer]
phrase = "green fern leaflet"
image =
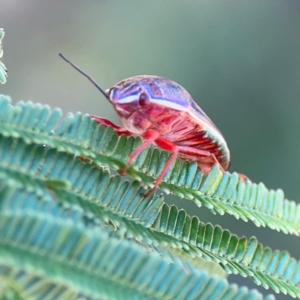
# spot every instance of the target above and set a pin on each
(69, 228)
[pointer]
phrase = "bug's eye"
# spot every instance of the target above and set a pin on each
(143, 99)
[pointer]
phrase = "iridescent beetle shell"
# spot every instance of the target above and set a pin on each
(151, 102)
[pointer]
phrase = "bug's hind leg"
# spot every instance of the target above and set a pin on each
(243, 177)
(204, 166)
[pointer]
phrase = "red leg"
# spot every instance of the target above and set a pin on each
(149, 137)
(243, 177)
(205, 153)
(201, 153)
(118, 129)
(169, 146)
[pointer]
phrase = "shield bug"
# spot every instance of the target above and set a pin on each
(163, 112)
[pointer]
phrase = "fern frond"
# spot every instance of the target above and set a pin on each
(221, 193)
(19, 285)
(122, 205)
(3, 70)
(38, 169)
(237, 255)
(70, 253)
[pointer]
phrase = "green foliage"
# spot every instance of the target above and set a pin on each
(60, 245)
(172, 227)
(69, 227)
(79, 135)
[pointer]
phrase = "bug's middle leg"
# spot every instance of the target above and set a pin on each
(168, 146)
(149, 137)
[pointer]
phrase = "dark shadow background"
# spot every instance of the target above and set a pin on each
(239, 59)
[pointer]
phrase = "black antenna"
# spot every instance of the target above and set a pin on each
(86, 75)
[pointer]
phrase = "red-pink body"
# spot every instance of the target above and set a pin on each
(162, 112)
(169, 109)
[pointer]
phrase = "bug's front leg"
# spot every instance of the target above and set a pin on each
(118, 129)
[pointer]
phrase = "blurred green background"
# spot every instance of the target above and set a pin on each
(239, 59)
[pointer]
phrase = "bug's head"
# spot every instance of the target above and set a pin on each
(129, 95)
(139, 100)
(134, 101)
